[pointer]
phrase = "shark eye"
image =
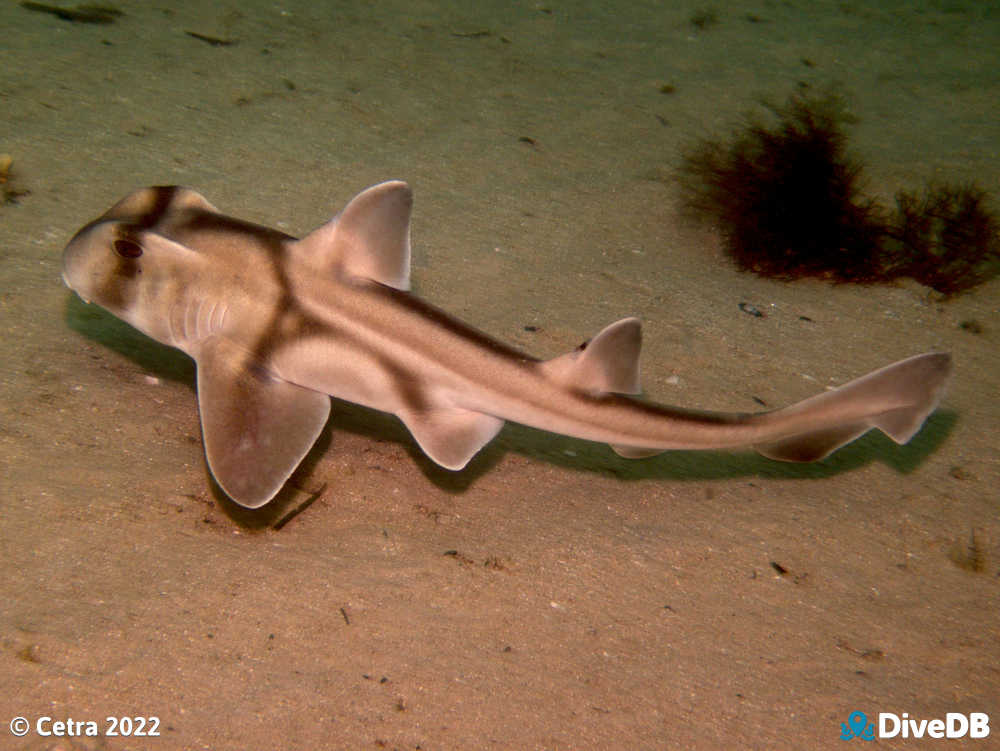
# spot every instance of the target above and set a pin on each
(127, 248)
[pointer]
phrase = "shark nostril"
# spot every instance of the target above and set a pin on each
(127, 248)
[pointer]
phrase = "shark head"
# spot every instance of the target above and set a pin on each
(126, 264)
(102, 262)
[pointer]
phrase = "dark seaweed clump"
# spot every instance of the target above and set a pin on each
(788, 199)
(945, 238)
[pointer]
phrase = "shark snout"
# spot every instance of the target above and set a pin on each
(68, 284)
(70, 268)
(86, 259)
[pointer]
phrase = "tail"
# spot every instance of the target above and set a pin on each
(896, 400)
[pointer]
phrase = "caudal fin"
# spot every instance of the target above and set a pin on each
(896, 400)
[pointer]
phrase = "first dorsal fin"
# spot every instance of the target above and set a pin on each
(608, 363)
(369, 239)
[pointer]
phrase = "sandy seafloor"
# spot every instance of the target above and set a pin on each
(552, 595)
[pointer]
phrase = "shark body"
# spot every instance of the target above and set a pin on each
(276, 325)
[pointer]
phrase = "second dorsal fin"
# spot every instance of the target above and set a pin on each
(608, 363)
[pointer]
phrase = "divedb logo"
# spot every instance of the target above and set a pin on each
(890, 725)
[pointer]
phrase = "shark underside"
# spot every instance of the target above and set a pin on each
(276, 325)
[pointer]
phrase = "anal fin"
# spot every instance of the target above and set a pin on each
(635, 452)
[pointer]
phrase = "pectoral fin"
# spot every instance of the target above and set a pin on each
(256, 428)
